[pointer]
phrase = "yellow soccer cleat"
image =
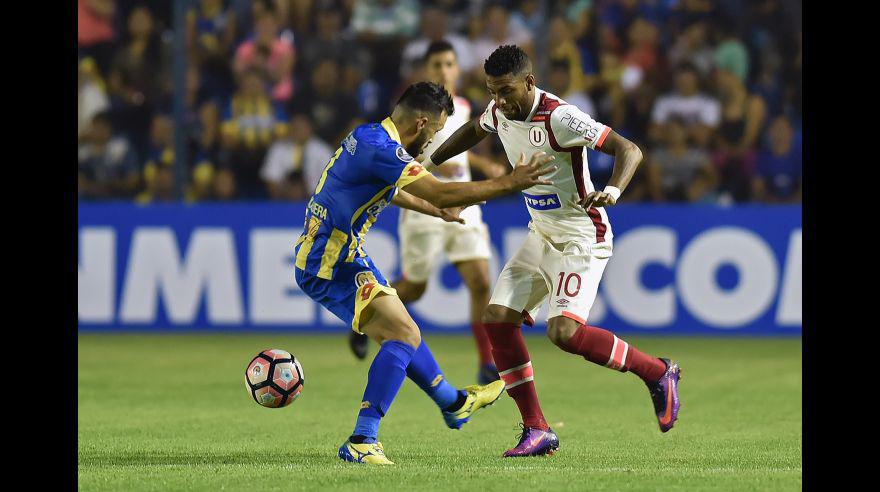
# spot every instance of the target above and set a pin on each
(477, 397)
(370, 453)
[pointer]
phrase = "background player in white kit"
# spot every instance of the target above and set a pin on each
(423, 237)
(568, 245)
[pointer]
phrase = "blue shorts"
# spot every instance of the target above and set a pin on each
(352, 288)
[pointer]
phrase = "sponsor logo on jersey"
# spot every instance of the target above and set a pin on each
(377, 207)
(542, 202)
(364, 278)
(414, 169)
(537, 136)
(403, 155)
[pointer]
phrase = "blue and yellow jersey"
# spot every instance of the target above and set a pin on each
(357, 184)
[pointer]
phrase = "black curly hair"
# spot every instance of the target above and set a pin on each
(507, 59)
(427, 97)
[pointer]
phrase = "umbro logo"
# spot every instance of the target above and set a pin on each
(562, 302)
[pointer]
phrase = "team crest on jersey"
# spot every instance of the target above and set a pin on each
(403, 155)
(364, 278)
(350, 144)
(537, 136)
(542, 202)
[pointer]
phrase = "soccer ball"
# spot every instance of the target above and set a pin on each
(274, 378)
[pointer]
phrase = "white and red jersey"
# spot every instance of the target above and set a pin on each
(462, 168)
(460, 117)
(561, 130)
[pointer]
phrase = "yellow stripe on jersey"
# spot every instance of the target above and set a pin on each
(327, 168)
(354, 244)
(412, 172)
(391, 128)
(331, 253)
(307, 243)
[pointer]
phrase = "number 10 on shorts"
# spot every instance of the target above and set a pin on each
(571, 283)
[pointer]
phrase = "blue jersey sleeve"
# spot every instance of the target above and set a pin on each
(395, 167)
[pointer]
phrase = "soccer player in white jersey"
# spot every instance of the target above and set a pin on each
(568, 245)
(423, 237)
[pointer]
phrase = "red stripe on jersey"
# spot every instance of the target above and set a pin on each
(596, 217)
(577, 167)
(495, 117)
(601, 140)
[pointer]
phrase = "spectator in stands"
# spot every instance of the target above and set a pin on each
(135, 78)
(435, 27)
(563, 48)
(731, 53)
(251, 123)
(701, 113)
(384, 26)
(497, 31)
(779, 169)
(95, 33)
(91, 94)
(644, 49)
(679, 171)
(327, 106)
(742, 118)
(211, 33)
(692, 46)
(158, 171)
(373, 19)
(528, 15)
(331, 40)
(271, 52)
(294, 164)
(108, 168)
(559, 83)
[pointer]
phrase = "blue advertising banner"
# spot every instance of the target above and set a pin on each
(676, 269)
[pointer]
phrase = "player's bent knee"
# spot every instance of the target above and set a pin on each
(496, 313)
(560, 330)
(407, 333)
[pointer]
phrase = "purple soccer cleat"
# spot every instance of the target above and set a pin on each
(534, 442)
(664, 394)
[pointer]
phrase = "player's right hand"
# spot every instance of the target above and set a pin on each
(527, 175)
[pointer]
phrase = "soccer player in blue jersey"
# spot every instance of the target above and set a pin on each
(372, 168)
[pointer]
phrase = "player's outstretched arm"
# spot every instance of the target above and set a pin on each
(627, 157)
(447, 195)
(405, 200)
(463, 139)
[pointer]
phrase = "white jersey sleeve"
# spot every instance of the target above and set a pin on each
(574, 128)
(489, 119)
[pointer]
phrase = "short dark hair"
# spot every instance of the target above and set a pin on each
(507, 59)
(441, 46)
(427, 97)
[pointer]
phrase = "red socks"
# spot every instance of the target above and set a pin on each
(515, 368)
(604, 348)
(484, 347)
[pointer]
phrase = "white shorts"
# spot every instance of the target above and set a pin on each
(423, 238)
(568, 273)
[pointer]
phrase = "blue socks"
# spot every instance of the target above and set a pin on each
(384, 380)
(425, 372)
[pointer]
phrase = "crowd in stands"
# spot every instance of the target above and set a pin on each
(710, 90)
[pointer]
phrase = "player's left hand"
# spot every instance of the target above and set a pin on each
(597, 199)
(452, 214)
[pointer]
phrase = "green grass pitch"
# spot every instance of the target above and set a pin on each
(170, 412)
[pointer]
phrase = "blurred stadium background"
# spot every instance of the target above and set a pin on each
(203, 126)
